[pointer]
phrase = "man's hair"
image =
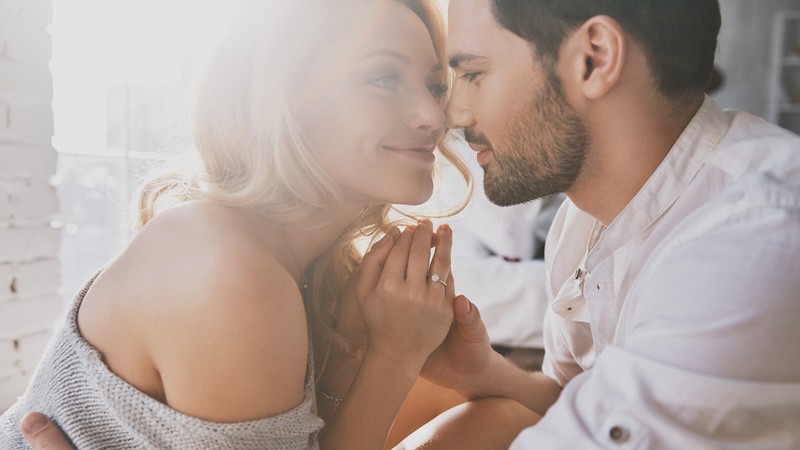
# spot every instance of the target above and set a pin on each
(679, 37)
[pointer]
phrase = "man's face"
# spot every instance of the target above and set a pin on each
(530, 142)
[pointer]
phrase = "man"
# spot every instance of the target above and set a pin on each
(672, 266)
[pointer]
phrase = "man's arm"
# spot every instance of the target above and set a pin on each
(705, 354)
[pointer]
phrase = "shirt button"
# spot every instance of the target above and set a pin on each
(619, 434)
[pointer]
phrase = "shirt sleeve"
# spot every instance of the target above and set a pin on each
(709, 356)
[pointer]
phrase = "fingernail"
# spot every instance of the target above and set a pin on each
(444, 228)
(33, 423)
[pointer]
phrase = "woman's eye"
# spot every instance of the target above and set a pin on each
(387, 82)
(470, 76)
(438, 90)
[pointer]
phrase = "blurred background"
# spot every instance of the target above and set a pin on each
(93, 92)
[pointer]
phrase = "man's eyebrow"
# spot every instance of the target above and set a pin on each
(460, 58)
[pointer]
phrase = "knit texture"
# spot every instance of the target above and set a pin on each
(99, 410)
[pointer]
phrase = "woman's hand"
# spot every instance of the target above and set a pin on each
(362, 281)
(408, 313)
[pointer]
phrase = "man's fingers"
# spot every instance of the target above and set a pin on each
(468, 320)
(43, 434)
(463, 309)
(440, 264)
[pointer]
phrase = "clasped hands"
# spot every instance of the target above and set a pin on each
(394, 306)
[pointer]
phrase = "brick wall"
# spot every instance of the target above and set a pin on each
(29, 270)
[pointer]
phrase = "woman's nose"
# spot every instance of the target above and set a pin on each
(426, 114)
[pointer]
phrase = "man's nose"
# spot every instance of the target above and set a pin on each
(459, 112)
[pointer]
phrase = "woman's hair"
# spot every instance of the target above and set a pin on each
(254, 155)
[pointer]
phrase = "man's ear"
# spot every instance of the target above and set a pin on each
(594, 56)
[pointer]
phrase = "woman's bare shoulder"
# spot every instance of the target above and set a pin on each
(214, 313)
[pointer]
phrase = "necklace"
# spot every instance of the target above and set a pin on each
(303, 277)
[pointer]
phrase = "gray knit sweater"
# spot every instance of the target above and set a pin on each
(98, 410)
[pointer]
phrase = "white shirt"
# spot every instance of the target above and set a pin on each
(682, 328)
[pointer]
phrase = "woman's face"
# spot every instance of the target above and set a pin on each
(371, 107)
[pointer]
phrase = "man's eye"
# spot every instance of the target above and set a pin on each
(387, 82)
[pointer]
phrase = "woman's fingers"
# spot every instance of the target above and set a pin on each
(419, 255)
(440, 264)
(369, 272)
(395, 266)
(450, 289)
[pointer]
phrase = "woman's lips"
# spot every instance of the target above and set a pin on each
(423, 154)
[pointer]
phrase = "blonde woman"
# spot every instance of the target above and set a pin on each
(313, 118)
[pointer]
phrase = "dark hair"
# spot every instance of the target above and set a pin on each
(679, 37)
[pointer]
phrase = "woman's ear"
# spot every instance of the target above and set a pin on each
(595, 56)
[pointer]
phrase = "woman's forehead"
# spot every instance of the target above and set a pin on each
(388, 26)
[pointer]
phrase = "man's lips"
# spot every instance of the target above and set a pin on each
(479, 147)
(484, 152)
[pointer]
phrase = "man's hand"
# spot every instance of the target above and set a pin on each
(42, 434)
(465, 354)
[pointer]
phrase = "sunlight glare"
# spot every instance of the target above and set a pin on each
(99, 44)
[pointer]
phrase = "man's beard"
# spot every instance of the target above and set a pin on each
(543, 154)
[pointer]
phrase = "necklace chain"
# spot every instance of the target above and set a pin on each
(303, 277)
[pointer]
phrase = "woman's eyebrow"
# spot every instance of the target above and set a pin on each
(394, 54)
(390, 53)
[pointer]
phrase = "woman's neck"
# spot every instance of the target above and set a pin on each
(297, 247)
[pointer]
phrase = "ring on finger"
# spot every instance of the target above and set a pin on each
(437, 279)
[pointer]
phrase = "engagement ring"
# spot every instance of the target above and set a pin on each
(437, 279)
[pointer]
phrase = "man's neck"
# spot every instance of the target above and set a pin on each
(629, 142)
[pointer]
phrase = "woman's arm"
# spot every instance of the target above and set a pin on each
(407, 316)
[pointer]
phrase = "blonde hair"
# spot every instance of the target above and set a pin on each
(253, 153)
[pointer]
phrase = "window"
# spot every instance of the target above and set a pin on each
(121, 71)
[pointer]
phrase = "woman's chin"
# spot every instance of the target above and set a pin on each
(415, 198)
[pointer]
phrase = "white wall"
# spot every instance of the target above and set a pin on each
(744, 50)
(29, 274)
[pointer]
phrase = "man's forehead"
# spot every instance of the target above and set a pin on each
(472, 29)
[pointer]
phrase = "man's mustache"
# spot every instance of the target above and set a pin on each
(474, 137)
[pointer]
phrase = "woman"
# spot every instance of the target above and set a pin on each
(313, 118)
